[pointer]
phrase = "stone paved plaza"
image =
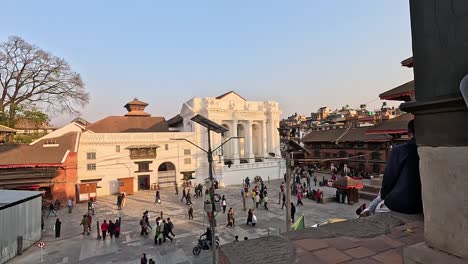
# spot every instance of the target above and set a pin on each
(73, 247)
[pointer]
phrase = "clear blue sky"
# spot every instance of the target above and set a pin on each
(304, 54)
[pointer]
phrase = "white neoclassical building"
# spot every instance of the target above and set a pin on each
(256, 153)
(136, 151)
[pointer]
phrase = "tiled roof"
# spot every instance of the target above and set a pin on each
(399, 93)
(127, 124)
(7, 129)
(357, 134)
(395, 125)
(49, 151)
(28, 124)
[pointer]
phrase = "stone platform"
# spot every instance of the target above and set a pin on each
(377, 239)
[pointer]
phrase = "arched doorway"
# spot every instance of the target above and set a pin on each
(166, 174)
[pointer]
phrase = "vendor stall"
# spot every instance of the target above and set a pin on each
(347, 187)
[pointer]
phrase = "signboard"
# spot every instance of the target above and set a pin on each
(41, 244)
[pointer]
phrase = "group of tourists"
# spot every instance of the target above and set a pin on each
(113, 228)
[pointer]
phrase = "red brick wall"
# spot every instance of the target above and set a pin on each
(64, 182)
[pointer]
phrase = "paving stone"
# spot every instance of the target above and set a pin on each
(311, 244)
(392, 242)
(375, 244)
(331, 255)
(389, 257)
(359, 252)
(342, 243)
(412, 239)
(362, 261)
(307, 258)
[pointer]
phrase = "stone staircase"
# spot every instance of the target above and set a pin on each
(371, 189)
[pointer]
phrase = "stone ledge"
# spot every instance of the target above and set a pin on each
(421, 254)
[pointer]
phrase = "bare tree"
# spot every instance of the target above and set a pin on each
(31, 76)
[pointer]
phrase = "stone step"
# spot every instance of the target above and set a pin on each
(376, 181)
(371, 188)
(367, 195)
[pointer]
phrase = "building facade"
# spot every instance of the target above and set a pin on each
(255, 153)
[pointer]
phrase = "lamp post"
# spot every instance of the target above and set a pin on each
(210, 126)
(286, 133)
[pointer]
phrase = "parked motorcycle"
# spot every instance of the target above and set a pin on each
(203, 244)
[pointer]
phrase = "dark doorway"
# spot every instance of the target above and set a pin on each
(143, 182)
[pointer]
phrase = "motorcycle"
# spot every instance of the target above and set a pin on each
(203, 244)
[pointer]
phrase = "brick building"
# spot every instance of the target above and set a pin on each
(48, 165)
(362, 152)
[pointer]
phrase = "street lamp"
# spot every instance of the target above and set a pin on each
(287, 150)
(210, 126)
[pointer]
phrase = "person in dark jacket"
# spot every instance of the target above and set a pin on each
(293, 212)
(401, 185)
(58, 225)
(166, 231)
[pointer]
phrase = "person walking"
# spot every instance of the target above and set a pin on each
(144, 229)
(51, 209)
(257, 200)
(253, 194)
(188, 198)
(70, 205)
(147, 217)
(190, 213)
(111, 229)
(223, 204)
(143, 259)
(254, 218)
(183, 195)
(166, 231)
(85, 223)
(124, 199)
(57, 227)
(299, 199)
(104, 228)
(176, 188)
(284, 201)
(249, 216)
(117, 228)
(158, 197)
(293, 212)
(265, 202)
(158, 235)
(171, 226)
(230, 218)
(315, 181)
(119, 201)
(247, 181)
(90, 221)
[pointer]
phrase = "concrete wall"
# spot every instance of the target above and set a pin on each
(24, 220)
(445, 198)
(111, 165)
(237, 173)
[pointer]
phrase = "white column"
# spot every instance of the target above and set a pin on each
(235, 143)
(249, 149)
(264, 139)
(276, 142)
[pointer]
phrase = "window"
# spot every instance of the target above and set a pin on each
(91, 155)
(187, 161)
(187, 152)
(144, 166)
(166, 146)
(117, 148)
(91, 166)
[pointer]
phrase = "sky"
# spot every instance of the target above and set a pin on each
(303, 54)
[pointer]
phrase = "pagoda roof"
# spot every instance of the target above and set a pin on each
(403, 92)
